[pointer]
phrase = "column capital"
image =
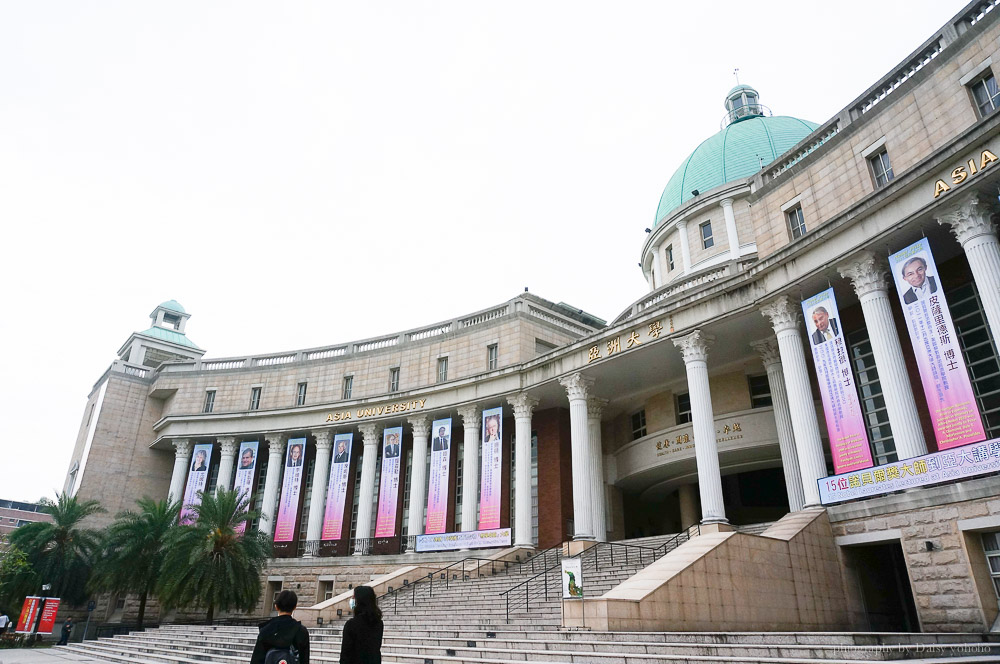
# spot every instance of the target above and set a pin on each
(227, 445)
(471, 416)
(276, 443)
(421, 426)
(577, 385)
(523, 405)
(784, 314)
(968, 219)
(370, 433)
(682, 224)
(182, 447)
(726, 203)
(694, 346)
(768, 351)
(595, 407)
(866, 272)
(324, 438)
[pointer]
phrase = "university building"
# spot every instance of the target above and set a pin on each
(818, 294)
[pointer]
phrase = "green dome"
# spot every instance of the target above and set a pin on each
(734, 153)
(172, 305)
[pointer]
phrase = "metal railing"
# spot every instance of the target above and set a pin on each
(461, 570)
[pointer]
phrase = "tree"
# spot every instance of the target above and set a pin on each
(134, 548)
(208, 564)
(61, 553)
(17, 578)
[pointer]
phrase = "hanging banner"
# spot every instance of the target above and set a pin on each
(572, 578)
(244, 476)
(197, 481)
(288, 506)
(470, 539)
(388, 492)
(336, 490)
(489, 484)
(945, 378)
(437, 481)
(29, 614)
(845, 424)
(50, 607)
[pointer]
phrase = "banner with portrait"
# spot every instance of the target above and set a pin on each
(491, 475)
(950, 399)
(388, 492)
(437, 481)
(201, 459)
(845, 423)
(291, 486)
(336, 489)
(246, 469)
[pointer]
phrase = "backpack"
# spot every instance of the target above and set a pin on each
(289, 655)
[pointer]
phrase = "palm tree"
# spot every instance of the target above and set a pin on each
(61, 552)
(209, 564)
(134, 547)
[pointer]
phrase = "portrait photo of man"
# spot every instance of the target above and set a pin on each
(922, 285)
(391, 446)
(491, 432)
(441, 440)
(343, 454)
(200, 462)
(247, 459)
(826, 327)
(294, 456)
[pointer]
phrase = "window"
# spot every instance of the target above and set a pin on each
(394, 379)
(987, 95)
(760, 391)
(638, 425)
(255, 398)
(869, 386)
(348, 384)
(991, 546)
(209, 401)
(796, 222)
(300, 400)
(978, 349)
(172, 321)
(326, 590)
(491, 357)
(707, 241)
(683, 404)
(881, 168)
(670, 257)
(442, 369)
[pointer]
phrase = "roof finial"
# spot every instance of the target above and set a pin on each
(736, 73)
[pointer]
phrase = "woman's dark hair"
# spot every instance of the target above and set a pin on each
(365, 604)
(286, 601)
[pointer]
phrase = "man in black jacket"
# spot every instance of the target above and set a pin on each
(282, 631)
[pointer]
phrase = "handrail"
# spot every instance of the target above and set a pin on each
(429, 579)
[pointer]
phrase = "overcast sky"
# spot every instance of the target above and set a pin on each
(303, 174)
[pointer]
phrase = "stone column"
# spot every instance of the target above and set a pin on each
(595, 407)
(657, 272)
(370, 433)
(688, 503)
(768, 350)
(694, 348)
(577, 387)
(272, 480)
(867, 274)
(182, 461)
(972, 224)
(685, 246)
(471, 421)
(321, 477)
(227, 459)
(784, 316)
(523, 405)
(418, 477)
(731, 233)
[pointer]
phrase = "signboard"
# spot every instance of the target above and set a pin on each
(336, 489)
(50, 607)
(491, 475)
(472, 539)
(437, 481)
(388, 493)
(572, 578)
(291, 486)
(945, 466)
(197, 481)
(244, 476)
(29, 614)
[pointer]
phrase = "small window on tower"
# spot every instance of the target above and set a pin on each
(255, 398)
(300, 399)
(638, 424)
(707, 241)
(209, 401)
(683, 408)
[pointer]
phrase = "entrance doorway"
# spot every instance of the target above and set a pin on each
(880, 570)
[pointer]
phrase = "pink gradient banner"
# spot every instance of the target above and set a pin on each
(288, 505)
(437, 481)
(845, 424)
(246, 466)
(491, 475)
(388, 493)
(201, 460)
(336, 490)
(950, 399)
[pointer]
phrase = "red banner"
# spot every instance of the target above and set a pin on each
(29, 612)
(50, 608)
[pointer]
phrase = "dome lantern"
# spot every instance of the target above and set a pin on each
(743, 102)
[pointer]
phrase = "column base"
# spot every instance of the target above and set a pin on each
(717, 527)
(573, 547)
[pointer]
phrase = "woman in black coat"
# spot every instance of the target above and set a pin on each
(361, 642)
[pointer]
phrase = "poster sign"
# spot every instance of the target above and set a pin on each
(945, 466)
(388, 492)
(244, 476)
(845, 423)
(29, 614)
(437, 481)
(952, 404)
(470, 539)
(50, 607)
(291, 486)
(572, 578)
(336, 489)
(490, 477)
(197, 481)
